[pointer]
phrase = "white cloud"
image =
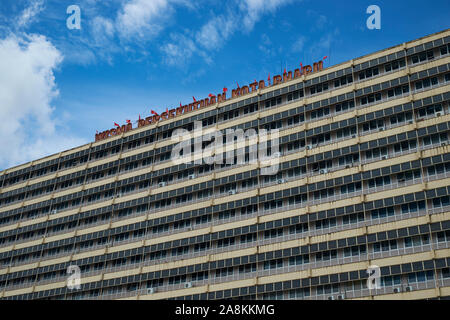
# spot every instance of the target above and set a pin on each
(142, 18)
(30, 13)
(325, 42)
(102, 30)
(178, 50)
(298, 45)
(320, 21)
(240, 15)
(254, 9)
(266, 46)
(216, 31)
(27, 89)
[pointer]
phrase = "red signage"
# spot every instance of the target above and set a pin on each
(211, 100)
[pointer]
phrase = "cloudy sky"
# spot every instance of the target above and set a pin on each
(59, 85)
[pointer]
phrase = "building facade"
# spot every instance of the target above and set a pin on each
(363, 180)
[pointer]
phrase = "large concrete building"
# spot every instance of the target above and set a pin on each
(363, 180)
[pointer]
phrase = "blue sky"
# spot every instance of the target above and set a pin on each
(58, 86)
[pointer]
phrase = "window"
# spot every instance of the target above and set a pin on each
(385, 245)
(429, 110)
(299, 293)
(204, 193)
(295, 145)
(371, 98)
(394, 65)
(355, 251)
(401, 117)
(345, 132)
(125, 212)
(349, 159)
(445, 273)
(405, 146)
(443, 236)
(298, 260)
(296, 119)
(421, 276)
(343, 81)
(298, 228)
(184, 198)
(251, 267)
(445, 49)
(225, 242)
(158, 255)
(382, 213)
(390, 281)
(250, 109)
(273, 264)
(368, 73)
(273, 233)
(435, 138)
(131, 166)
(97, 175)
(273, 204)
(353, 218)
(249, 209)
(164, 156)
(250, 237)
(181, 224)
(397, 91)
(134, 144)
(376, 153)
(273, 102)
(319, 113)
(198, 276)
(425, 83)
(231, 114)
(203, 219)
(351, 187)
(161, 228)
(328, 164)
(177, 279)
(327, 289)
(273, 125)
(408, 175)
(224, 272)
(326, 255)
(248, 183)
(149, 139)
(323, 194)
(326, 223)
(201, 246)
(344, 106)
(373, 125)
(423, 56)
(115, 150)
(417, 241)
(413, 206)
(321, 138)
(441, 202)
(438, 168)
(319, 88)
(122, 236)
(379, 181)
(295, 95)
